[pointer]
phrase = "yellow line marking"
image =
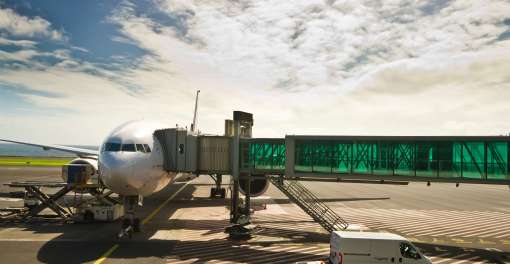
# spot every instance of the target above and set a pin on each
(506, 242)
(156, 211)
(461, 241)
(106, 255)
(435, 240)
(415, 239)
(485, 242)
(145, 221)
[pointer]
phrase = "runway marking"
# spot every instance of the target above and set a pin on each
(42, 239)
(145, 221)
(106, 254)
(156, 211)
(419, 223)
(461, 241)
(230, 252)
(5, 199)
(485, 242)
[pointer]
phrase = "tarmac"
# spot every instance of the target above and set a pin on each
(465, 224)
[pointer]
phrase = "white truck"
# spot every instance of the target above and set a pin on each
(370, 247)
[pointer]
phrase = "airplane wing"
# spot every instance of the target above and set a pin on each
(78, 151)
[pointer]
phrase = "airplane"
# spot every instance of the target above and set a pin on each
(129, 163)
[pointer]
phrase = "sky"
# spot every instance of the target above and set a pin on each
(71, 71)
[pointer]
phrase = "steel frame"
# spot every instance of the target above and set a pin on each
(456, 159)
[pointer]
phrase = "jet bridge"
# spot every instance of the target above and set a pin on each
(201, 154)
(366, 159)
(458, 159)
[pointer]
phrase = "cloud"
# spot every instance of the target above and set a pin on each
(80, 49)
(348, 60)
(20, 56)
(308, 45)
(19, 43)
(18, 25)
(310, 67)
(36, 59)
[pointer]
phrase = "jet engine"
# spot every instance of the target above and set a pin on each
(80, 169)
(259, 185)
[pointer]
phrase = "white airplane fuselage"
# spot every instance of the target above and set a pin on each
(131, 160)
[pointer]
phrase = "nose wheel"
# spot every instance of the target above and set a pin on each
(217, 191)
(130, 223)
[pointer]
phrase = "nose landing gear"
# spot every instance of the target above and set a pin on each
(130, 223)
(217, 190)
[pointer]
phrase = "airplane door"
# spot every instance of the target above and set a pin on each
(181, 150)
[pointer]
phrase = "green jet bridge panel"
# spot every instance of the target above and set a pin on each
(459, 159)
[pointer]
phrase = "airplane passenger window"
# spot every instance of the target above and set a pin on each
(147, 148)
(128, 147)
(140, 148)
(408, 251)
(112, 147)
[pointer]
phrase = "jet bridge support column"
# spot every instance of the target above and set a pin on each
(240, 217)
(234, 211)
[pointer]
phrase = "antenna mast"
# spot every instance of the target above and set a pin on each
(194, 124)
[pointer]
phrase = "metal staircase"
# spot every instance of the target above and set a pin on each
(305, 199)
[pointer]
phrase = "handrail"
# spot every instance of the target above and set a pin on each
(307, 201)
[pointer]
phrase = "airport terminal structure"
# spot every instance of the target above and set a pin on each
(255, 162)
(456, 159)
(473, 159)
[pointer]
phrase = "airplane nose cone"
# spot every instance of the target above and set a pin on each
(117, 174)
(111, 160)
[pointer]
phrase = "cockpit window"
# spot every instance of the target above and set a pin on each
(128, 147)
(140, 148)
(147, 148)
(112, 147)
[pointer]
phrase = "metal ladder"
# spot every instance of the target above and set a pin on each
(307, 201)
